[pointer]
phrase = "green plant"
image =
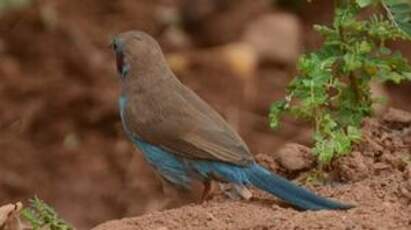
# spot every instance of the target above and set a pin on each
(41, 216)
(332, 88)
(315, 177)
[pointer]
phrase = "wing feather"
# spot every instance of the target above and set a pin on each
(192, 130)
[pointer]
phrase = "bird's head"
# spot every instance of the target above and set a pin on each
(137, 53)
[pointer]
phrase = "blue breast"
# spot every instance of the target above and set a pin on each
(167, 164)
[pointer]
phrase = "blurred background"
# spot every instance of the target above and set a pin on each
(60, 132)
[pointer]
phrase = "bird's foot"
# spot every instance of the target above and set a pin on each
(236, 192)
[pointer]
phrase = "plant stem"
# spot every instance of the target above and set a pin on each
(351, 76)
(389, 14)
(354, 86)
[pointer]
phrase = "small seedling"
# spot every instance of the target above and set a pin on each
(315, 177)
(332, 88)
(41, 216)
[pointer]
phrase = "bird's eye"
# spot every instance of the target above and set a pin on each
(118, 47)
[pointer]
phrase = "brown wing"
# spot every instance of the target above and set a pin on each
(176, 119)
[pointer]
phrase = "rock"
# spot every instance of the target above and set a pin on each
(5, 211)
(10, 217)
(267, 161)
(275, 37)
(295, 157)
(352, 167)
(396, 115)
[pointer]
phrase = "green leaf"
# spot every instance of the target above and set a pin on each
(399, 12)
(395, 77)
(277, 108)
(365, 47)
(352, 62)
(342, 144)
(40, 215)
(364, 3)
(354, 133)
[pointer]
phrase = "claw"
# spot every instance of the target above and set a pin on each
(236, 192)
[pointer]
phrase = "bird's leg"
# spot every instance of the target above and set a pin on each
(206, 191)
(235, 191)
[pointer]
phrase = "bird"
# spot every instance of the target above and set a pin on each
(182, 137)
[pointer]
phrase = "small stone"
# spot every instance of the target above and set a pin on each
(267, 161)
(5, 212)
(352, 167)
(10, 216)
(396, 115)
(295, 157)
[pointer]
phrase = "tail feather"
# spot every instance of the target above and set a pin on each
(289, 192)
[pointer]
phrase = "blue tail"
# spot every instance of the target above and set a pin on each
(289, 192)
(263, 179)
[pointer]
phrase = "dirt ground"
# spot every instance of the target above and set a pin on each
(61, 138)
